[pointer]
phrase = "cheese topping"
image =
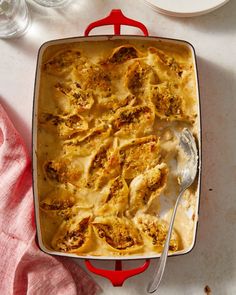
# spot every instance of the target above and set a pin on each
(108, 121)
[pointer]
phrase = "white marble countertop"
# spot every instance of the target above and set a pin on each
(213, 260)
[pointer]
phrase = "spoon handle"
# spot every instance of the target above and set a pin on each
(160, 267)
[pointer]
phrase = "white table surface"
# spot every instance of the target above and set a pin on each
(213, 260)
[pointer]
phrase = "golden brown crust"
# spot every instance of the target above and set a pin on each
(168, 103)
(66, 126)
(139, 155)
(62, 62)
(124, 53)
(155, 231)
(103, 160)
(62, 171)
(133, 120)
(118, 233)
(73, 236)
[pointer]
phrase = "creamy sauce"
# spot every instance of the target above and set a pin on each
(53, 147)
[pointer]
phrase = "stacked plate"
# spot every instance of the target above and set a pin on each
(185, 8)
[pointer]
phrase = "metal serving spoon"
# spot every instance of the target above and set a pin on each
(187, 175)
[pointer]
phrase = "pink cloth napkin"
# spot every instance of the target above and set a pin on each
(24, 269)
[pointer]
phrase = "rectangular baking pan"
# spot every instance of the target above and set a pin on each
(117, 19)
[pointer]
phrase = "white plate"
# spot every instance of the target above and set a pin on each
(185, 8)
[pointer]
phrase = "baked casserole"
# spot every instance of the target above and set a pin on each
(109, 115)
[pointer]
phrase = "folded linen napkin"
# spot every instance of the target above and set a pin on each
(24, 269)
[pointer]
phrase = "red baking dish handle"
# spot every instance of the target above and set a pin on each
(117, 276)
(116, 18)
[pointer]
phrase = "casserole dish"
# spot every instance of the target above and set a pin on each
(60, 233)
